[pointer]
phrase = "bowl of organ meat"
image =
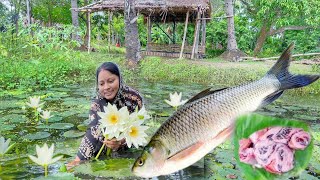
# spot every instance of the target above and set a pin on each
(267, 147)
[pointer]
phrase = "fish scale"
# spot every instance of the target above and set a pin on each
(204, 118)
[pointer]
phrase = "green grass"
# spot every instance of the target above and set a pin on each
(59, 68)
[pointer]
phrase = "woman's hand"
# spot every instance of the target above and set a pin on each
(113, 143)
(73, 163)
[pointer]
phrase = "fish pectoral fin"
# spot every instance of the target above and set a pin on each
(211, 142)
(186, 152)
(204, 93)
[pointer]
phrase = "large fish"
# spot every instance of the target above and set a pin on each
(206, 120)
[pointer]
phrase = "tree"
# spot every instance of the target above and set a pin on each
(232, 52)
(276, 16)
(75, 21)
(131, 33)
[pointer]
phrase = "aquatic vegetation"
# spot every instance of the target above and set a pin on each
(175, 100)
(113, 119)
(120, 124)
(37, 135)
(45, 156)
(135, 134)
(109, 168)
(34, 102)
(46, 115)
(220, 164)
(4, 146)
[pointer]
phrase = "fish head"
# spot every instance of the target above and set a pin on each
(151, 161)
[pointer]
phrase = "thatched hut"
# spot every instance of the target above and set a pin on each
(166, 11)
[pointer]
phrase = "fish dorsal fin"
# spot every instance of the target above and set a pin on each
(203, 93)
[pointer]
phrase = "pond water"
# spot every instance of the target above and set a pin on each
(70, 109)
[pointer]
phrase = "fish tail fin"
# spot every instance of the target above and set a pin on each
(287, 80)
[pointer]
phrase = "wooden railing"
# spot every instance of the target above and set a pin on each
(171, 50)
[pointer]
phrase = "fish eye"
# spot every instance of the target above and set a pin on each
(140, 162)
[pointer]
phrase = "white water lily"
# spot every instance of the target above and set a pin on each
(46, 115)
(175, 100)
(45, 156)
(143, 114)
(112, 118)
(135, 134)
(4, 145)
(35, 102)
(109, 134)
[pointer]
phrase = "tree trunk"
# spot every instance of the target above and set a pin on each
(262, 38)
(28, 13)
(86, 37)
(132, 42)
(232, 42)
(75, 21)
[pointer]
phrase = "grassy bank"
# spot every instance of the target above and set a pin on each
(218, 72)
(58, 68)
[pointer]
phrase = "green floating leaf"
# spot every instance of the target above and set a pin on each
(277, 109)
(306, 117)
(61, 126)
(73, 134)
(67, 113)
(59, 175)
(9, 104)
(55, 119)
(82, 127)
(42, 126)
(37, 135)
(246, 125)
(110, 168)
(7, 127)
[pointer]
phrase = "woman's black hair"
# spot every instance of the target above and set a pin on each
(108, 66)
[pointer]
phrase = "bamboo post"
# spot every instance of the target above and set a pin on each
(89, 32)
(184, 34)
(203, 38)
(174, 31)
(109, 32)
(196, 36)
(149, 33)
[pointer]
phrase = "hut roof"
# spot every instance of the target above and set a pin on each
(159, 10)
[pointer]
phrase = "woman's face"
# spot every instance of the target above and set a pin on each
(108, 84)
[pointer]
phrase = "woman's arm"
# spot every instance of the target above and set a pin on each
(92, 140)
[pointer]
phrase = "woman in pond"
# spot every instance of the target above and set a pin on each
(110, 89)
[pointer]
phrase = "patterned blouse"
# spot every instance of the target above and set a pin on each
(93, 139)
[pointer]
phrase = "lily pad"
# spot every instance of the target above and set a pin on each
(293, 108)
(111, 168)
(9, 104)
(58, 175)
(75, 102)
(67, 113)
(7, 127)
(42, 126)
(246, 125)
(55, 119)
(82, 127)
(61, 126)
(15, 118)
(277, 109)
(37, 135)
(306, 117)
(60, 89)
(73, 134)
